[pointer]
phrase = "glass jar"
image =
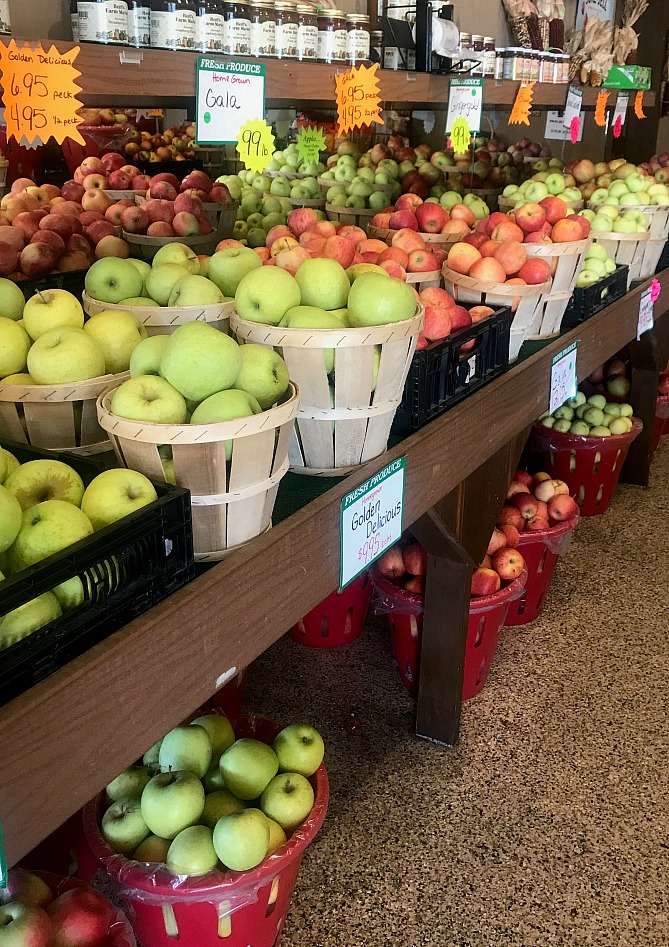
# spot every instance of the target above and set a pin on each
(263, 28)
(489, 56)
(465, 42)
(376, 46)
(210, 26)
(174, 25)
(500, 60)
(307, 32)
(533, 67)
(237, 29)
(358, 38)
(103, 21)
(544, 68)
(331, 36)
(565, 61)
(508, 62)
(286, 30)
(139, 23)
(523, 64)
(477, 46)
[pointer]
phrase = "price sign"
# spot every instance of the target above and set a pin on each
(620, 111)
(371, 520)
(522, 106)
(310, 143)
(555, 129)
(563, 377)
(358, 99)
(460, 136)
(573, 107)
(39, 92)
(228, 94)
(638, 105)
(465, 100)
(255, 145)
(600, 110)
(646, 305)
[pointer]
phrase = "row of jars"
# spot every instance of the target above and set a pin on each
(282, 29)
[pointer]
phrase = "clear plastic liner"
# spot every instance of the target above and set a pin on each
(662, 407)
(390, 598)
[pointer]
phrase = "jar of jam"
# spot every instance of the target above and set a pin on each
(489, 56)
(263, 28)
(210, 26)
(286, 30)
(477, 46)
(465, 42)
(307, 32)
(139, 23)
(237, 29)
(376, 40)
(174, 25)
(358, 38)
(103, 21)
(533, 67)
(331, 36)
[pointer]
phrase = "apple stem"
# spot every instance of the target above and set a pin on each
(42, 296)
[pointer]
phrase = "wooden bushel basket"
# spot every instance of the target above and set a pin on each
(56, 417)
(356, 216)
(145, 248)
(163, 320)
(567, 259)
(476, 292)
(506, 204)
(658, 226)
(439, 239)
(627, 249)
(232, 500)
(341, 427)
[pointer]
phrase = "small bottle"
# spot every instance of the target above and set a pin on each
(237, 31)
(173, 25)
(465, 42)
(477, 46)
(210, 26)
(103, 21)
(74, 19)
(139, 23)
(489, 56)
(307, 32)
(500, 60)
(286, 30)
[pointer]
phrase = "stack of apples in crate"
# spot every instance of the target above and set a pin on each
(443, 316)
(543, 185)
(595, 416)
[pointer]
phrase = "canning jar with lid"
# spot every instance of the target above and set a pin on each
(358, 38)
(477, 46)
(307, 32)
(210, 26)
(103, 21)
(237, 29)
(139, 23)
(286, 30)
(331, 36)
(174, 25)
(263, 28)
(489, 56)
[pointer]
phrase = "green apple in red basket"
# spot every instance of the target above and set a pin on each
(323, 283)
(264, 374)
(247, 767)
(299, 749)
(12, 300)
(63, 356)
(288, 799)
(375, 300)
(220, 731)
(277, 837)
(149, 398)
(14, 347)
(123, 826)
(111, 280)
(177, 253)
(162, 279)
(152, 756)
(51, 309)
(145, 358)
(47, 528)
(241, 840)
(266, 295)
(219, 803)
(199, 361)
(114, 494)
(192, 852)
(152, 849)
(24, 925)
(27, 618)
(228, 267)
(195, 291)
(129, 784)
(172, 802)
(39, 480)
(118, 333)
(186, 749)
(11, 518)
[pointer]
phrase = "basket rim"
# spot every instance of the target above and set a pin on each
(575, 440)
(331, 338)
(57, 393)
(623, 237)
(526, 539)
(381, 188)
(215, 308)
(566, 248)
(382, 233)
(143, 240)
(342, 209)
(477, 604)
(594, 205)
(495, 289)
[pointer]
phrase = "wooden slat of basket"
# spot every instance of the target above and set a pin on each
(378, 432)
(251, 460)
(51, 426)
(353, 386)
(91, 432)
(567, 258)
(393, 367)
(141, 456)
(10, 422)
(651, 256)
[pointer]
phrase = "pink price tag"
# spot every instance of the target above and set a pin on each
(655, 290)
(618, 127)
(574, 129)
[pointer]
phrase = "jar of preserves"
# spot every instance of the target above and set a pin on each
(263, 28)
(331, 36)
(103, 21)
(489, 56)
(376, 41)
(237, 28)
(358, 38)
(465, 42)
(307, 32)
(533, 67)
(139, 23)
(210, 26)
(477, 46)
(286, 30)
(174, 25)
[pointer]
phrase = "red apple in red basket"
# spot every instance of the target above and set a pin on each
(415, 585)
(81, 918)
(510, 516)
(415, 559)
(522, 476)
(25, 925)
(537, 524)
(526, 504)
(485, 582)
(497, 542)
(508, 564)
(391, 563)
(515, 487)
(562, 507)
(512, 535)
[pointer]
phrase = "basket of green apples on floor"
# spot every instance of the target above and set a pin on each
(205, 835)
(599, 283)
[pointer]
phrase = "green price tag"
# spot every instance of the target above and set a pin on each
(310, 142)
(460, 135)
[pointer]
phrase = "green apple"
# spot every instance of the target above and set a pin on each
(277, 837)
(123, 826)
(247, 767)
(597, 401)
(192, 852)
(62, 356)
(118, 333)
(12, 300)
(361, 269)
(228, 267)
(51, 309)
(555, 183)
(375, 300)
(323, 283)
(70, 593)
(28, 618)
(571, 194)
(162, 279)
(342, 315)
(609, 211)
(141, 266)
(128, 785)
(111, 280)
(635, 182)
(219, 804)
(272, 220)
(602, 224)
(116, 493)
(14, 347)
(625, 225)
(11, 517)
(177, 253)
(265, 295)
(612, 202)
(597, 252)
(299, 749)
(600, 195)
(612, 409)
(213, 778)
(617, 426)
(586, 277)
(149, 398)
(39, 480)
(172, 802)
(8, 464)
(280, 187)
(219, 728)
(199, 360)
(241, 840)
(152, 850)
(195, 291)
(536, 192)
(311, 317)
(563, 412)
(598, 267)
(47, 528)
(145, 358)
(143, 301)
(256, 237)
(288, 800)
(264, 374)
(600, 430)
(616, 189)
(24, 925)
(186, 749)
(579, 427)
(578, 399)
(562, 425)
(152, 756)
(594, 416)
(239, 231)
(588, 214)
(226, 406)
(18, 378)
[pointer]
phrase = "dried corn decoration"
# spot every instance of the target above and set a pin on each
(626, 40)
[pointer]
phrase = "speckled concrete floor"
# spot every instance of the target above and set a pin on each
(548, 826)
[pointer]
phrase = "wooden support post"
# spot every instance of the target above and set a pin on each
(649, 357)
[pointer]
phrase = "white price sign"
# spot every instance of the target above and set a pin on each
(563, 377)
(371, 520)
(573, 107)
(229, 94)
(646, 305)
(465, 100)
(620, 111)
(555, 128)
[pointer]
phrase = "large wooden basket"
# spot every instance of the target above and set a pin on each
(56, 417)
(356, 216)
(145, 248)
(163, 320)
(440, 239)
(232, 500)
(658, 227)
(629, 249)
(566, 260)
(344, 425)
(526, 302)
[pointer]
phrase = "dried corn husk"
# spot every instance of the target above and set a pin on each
(519, 8)
(591, 48)
(626, 40)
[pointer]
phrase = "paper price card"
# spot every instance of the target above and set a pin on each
(229, 94)
(310, 142)
(573, 107)
(563, 377)
(522, 106)
(465, 100)
(358, 100)
(638, 105)
(371, 520)
(646, 306)
(255, 145)
(460, 136)
(39, 92)
(620, 113)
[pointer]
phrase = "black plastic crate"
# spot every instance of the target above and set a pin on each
(663, 262)
(587, 301)
(442, 375)
(72, 282)
(125, 568)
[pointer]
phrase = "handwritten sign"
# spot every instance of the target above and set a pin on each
(555, 129)
(522, 106)
(646, 306)
(229, 94)
(39, 92)
(602, 9)
(310, 142)
(465, 100)
(573, 106)
(600, 108)
(563, 377)
(255, 144)
(460, 136)
(638, 105)
(371, 520)
(358, 99)
(655, 290)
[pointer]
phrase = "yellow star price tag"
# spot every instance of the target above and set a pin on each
(255, 144)
(460, 136)
(310, 142)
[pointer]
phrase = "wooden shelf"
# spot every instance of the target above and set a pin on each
(70, 735)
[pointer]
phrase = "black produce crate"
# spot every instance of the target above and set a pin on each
(663, 262)
(125, 568)
(587, 301)
(178, 168)
(72, 282)
(441, 375)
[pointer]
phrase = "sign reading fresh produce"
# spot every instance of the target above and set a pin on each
(371, 520)
(465, 100)
(229, 94)
(563, 376)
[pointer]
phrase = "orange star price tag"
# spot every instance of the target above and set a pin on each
(600, 109)
(638, 106)
(39, 92)
(522, 107)
(358, 100)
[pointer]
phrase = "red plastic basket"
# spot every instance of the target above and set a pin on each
(23, 162)
(237, 909)
(120, 932)
(486, 618)
(228, 700)
(339, 619)
(540, 560)
(590, 466)
(99, 139)
(661, 423)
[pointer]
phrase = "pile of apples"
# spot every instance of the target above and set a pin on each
(533, 504)
(598, 179)
(544, 185)
(203, 801)
(526, 148)
(173, 208)
(174, 144)
(502, 563)
(597, 264)
(412, 213)
(289, 161)
(611, 219)
(359, 187)
(443, 317)
(590, 417)
(632, 188)
(110, 172)
(31, 915)
(611, 379)
(405, 566)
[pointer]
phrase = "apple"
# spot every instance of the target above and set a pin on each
(192, 852)
(241, 839)
(247, 767)
(27, 925)
(128, 785)
(228, 267)
(186, 749)
(27, 888)
(323, 283)
(485, 581)
(530, 217)
(117, 333)
(11, 518)
(123, 826)
(508, 563)
(161, 281)
(200, 361)
(111, 280)
(266, 295)
(81, 918)
(46, 528)
(62, 356)
(114, 494)
(376, 300)
(263, 374)
(180, 254)
(149, 398)
(152, 850)
(12, 300)
(14, 347)
(145, 358)
(218, 804)
(299, 749)
(39, 480)
(172, 802)
(288, 800)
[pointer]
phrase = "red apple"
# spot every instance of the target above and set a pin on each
(415, 559)
(135, 219)
(81, 918)
(512, 535)
(484, 582)
(508, 564)
(535, 271)
(526, 504)
(391, 563)
(37, 259)
(510, 516)
(530, 217)
(112, 161)
(431, 217)
(561, 508)
(497, 542)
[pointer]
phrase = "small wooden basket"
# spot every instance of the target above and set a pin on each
(629, 249)
(163, 320)
(526, 302)
(658, 227)
(221, 216)
(566, 260)
(232, 500)
(145, 248)
(506, 204)
(318, 203)
(340, 427)
(421, 281)
(56, 417)
(355, 216)
(439, 239)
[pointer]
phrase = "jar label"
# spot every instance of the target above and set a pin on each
(210, 28)
(307, 41)
(139, 26)
(286, 40)
(340, 44)
(357, 46)
(176, 30)
(263, 38)
(326, 46)
(103, 22)
(237, 37)
(75, 24)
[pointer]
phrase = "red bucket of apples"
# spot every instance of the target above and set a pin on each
(209, 852)
(400, 596)
(661, 424)
(339, 619)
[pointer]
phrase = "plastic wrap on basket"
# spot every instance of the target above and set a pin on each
(400, 602)
(119, 932)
